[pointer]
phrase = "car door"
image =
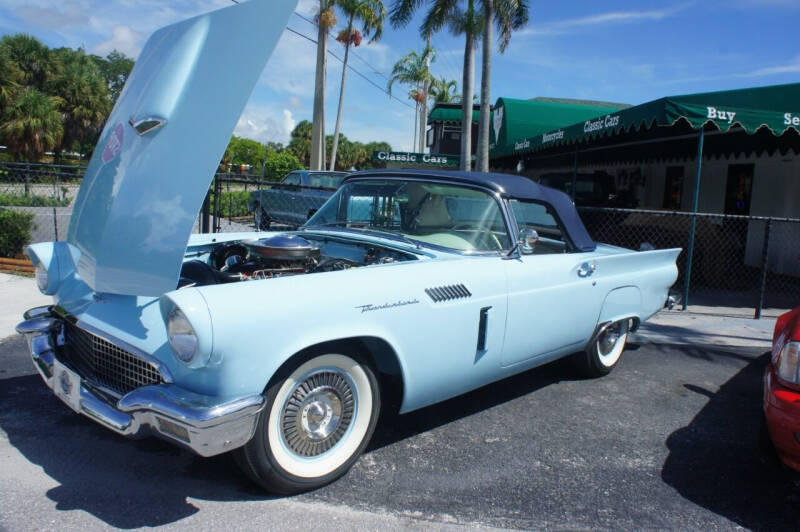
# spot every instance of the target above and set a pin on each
(553, 297)
(285, 200)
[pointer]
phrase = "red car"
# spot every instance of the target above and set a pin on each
(782, 389)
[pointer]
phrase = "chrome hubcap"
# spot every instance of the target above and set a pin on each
(317, 413)
(608, 339)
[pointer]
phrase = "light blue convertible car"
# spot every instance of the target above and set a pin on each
(404, 289)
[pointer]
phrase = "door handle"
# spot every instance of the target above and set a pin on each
(586, 269)
(147, 124)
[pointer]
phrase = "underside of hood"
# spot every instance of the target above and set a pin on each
(161, 145)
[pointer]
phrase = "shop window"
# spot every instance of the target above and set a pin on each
(673, 188)
(739, 189)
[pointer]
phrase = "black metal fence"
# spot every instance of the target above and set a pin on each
(239, 202)
(738, 262)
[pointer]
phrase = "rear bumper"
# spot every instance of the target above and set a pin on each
(782, 412)
(204, 424)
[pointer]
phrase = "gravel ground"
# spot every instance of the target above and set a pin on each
(669, 440)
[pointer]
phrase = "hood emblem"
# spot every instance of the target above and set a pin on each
(113, 144)
(448, 292)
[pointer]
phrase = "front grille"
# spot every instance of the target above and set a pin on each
(111, 366)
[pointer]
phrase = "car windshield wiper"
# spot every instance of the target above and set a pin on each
(394, 236)
(330, 224)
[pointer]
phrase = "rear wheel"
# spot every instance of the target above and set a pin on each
(605, 352)
(317, 421)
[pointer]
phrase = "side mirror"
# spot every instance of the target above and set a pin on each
(528, 238)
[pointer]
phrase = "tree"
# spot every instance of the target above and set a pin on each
(460, 20)
(31, 57)
(10, 78)
(413, 70)
(326, 19)
(32, 124)
(300, 143)
(115, 68)
(444, 90)
(275, 146)
(243, 151)
(84, 96)
(370, 148)
(370, 13)
(508, 15)
(278, 164)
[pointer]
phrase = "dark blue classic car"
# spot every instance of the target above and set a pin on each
(293, 200)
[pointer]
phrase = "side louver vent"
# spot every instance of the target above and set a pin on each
(446, 293)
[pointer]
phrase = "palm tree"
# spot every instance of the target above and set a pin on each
(326, 19)
(85, 100)
(10, 78)
(443, 90)
(413, 69)
(32, 124)
(508, 15)
(300, 143)
(31, 57)
(461, 18)
(370, 13)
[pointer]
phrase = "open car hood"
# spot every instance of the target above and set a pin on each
(161, 145)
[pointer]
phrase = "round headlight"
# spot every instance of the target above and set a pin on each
(41, 276)
(181, 336)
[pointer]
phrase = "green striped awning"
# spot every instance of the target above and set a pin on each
(450, 112)
(776, 108)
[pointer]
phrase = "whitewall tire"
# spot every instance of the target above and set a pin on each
(318, 419)
(605, 351)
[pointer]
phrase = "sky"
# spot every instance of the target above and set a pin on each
(630, 51)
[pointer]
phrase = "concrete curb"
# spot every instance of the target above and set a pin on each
(18, 295)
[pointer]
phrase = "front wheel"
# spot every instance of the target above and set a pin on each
(604, 353)
(317, 421)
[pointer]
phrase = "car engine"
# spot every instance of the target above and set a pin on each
(281, 255)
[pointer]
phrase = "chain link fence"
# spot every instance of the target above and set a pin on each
(247, 202)
(45, 192)
(739, 263)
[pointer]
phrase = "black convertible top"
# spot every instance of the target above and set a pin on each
(508, 186)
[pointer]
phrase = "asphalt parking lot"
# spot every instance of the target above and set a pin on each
(669, 440)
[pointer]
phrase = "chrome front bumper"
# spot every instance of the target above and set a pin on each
(205, 424)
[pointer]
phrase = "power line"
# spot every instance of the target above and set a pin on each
(349, 66)
(365, 78)
(352, 52)
(451, 69)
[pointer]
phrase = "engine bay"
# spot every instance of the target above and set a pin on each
(281, 255)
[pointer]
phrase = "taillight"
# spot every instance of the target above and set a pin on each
(789, 363)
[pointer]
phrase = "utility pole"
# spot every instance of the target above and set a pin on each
(318, 125)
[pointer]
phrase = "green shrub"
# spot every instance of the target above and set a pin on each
(15, 231)
(33, 200)
(233, 203)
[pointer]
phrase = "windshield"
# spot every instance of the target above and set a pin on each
(325, 180)
(448, 216)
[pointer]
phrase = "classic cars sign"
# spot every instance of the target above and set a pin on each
(396, 159)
